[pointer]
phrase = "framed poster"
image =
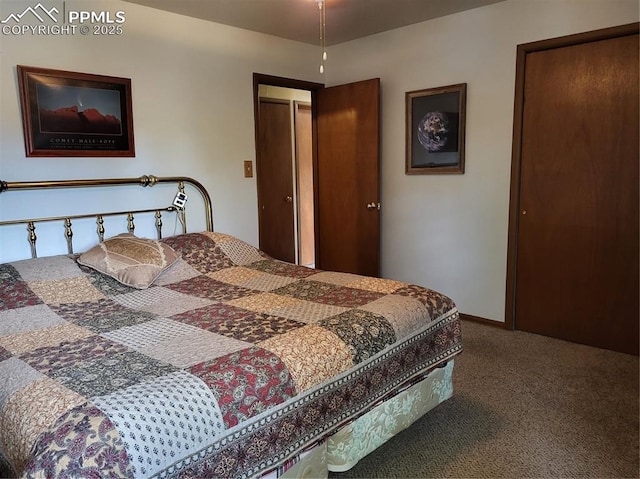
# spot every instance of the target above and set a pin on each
(75, 114)
(435, 124)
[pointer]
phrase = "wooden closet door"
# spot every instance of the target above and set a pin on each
(275, 180)
(577, 241)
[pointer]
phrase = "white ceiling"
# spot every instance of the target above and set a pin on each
(299, 19)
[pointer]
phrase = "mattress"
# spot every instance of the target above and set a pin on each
(230, 364)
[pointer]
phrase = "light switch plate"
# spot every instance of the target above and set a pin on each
(248, 169)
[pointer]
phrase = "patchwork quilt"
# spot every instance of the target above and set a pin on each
(228, 365)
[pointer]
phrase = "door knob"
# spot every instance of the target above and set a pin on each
(373, 206)
(288, 199)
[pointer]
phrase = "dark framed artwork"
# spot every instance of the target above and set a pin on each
(435, 130)
(75, 114)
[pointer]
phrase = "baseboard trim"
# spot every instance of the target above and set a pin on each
(487, 322)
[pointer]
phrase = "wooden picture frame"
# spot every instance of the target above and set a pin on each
(435, 129)
(75, 114)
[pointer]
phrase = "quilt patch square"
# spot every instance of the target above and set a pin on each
(29, 411)
(52, 268)
(106, 375)
(263, 302)
(179, 271)
(405, 313)
(306, 290)
(364, 332)
(246, 383)
(211, 316)
(269, 282)
(200, 251)
(87, 442)
(160, 300)
(281, 268)
(141, 336)
(16, 294)
(168, 417)
(239, 252)
(13, 321)
(69, 353)
(312, 354)
(437, 304)
(254, 328)
(192, 348)
(308, 311)
(379, 285)
(335, 277)
(205, 287)
(348, 297)
(184, 243)
(237, 275)
(15, 374)
(21, 343)
(71, 290)
(102, 316)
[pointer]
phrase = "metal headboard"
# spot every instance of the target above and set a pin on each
(145, 180)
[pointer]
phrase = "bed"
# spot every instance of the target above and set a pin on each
(198, 355)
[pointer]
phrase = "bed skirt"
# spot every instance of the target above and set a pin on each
(354, 441)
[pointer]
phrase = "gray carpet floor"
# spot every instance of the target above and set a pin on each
(524, 406)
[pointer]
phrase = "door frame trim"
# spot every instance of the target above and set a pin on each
(516, 152)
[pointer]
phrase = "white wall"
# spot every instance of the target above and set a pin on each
(193, 115)
(192, 105)
(450, 231)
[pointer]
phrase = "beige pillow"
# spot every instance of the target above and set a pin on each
(133, 261)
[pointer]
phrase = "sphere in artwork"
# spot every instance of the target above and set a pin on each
(433, 131)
